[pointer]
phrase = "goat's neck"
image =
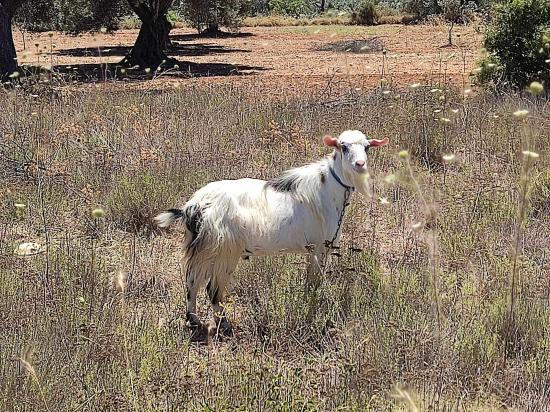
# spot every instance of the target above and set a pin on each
(336, 163)
(338, 191)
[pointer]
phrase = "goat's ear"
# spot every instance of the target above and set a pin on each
(330, 141)
(376, 142)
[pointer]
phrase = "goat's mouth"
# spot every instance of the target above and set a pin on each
(360, 169)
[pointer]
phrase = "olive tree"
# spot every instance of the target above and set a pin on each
(8, 57)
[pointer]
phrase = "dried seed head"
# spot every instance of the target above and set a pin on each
(520, 114)
(536, 88)
(98, 213)
(403, 154)
(28, 249)
(449, 158)
(530, 155)
(120, 281)
(417, 227)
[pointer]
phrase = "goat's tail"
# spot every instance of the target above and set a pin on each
(168, 217)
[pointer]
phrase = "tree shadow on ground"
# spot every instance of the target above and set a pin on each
(91, 73)
(176, 49)
(353, 46)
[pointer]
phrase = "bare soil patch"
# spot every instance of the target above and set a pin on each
(279, 58)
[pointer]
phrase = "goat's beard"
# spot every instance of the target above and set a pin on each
(362, 183)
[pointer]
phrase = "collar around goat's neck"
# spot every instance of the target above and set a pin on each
(333, 173)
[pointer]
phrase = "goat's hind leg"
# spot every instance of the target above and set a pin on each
(216, 289)
(199, 331)
(216, 293)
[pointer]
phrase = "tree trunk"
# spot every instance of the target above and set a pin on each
(8, 57)
(212, 28)
(451, 33)
(150, 46)
(153, 37)
(167, 41)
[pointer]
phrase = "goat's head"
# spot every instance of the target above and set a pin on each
(351, 149)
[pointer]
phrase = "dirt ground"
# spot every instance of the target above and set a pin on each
(299, 58)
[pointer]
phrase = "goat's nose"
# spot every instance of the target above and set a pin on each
(360, 163)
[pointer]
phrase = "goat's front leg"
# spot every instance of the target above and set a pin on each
(314, 270)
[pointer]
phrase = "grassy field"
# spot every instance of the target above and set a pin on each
(414, 314)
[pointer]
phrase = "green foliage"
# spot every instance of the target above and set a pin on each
(210, 15)
(294, 8)
(422, 8)
(70, 16)
(37, 16)
(366, 14)
(519, 42)
(488, 70)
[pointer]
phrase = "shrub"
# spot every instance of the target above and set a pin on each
(519, 42)
(366, 14)
(422, 8)
(208, 16)
(294, 8)
(71, 16)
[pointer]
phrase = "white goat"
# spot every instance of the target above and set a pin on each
(300, 211)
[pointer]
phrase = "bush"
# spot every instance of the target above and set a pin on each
(70, 16)
(422, 8)
(208, 16)
(366, 14)
(294, 8)
(519, 43)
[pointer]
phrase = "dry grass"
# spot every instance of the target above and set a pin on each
(134, 153)
(385, 17)
(283, 21)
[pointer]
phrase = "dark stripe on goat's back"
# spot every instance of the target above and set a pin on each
(193, 219)
(284, 183)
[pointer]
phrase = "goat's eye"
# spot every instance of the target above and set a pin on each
(345, 149)
(366, 148)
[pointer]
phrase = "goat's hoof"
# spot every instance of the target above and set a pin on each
(199, 333)
(225, 329)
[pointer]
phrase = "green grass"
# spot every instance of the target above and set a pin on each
(135, 153)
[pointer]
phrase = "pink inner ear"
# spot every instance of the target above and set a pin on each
(376, 142)
(330, 141)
